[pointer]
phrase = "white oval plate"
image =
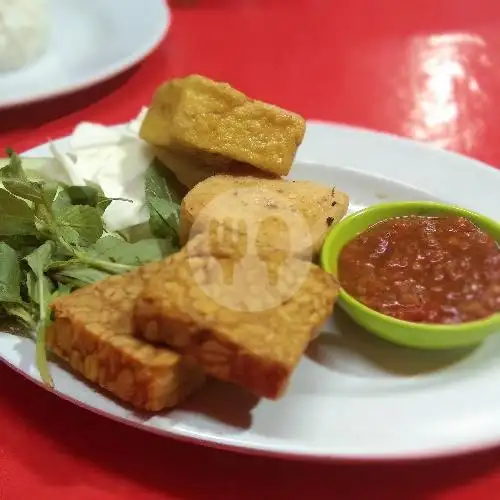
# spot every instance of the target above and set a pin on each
(92, 40)
(353, 395)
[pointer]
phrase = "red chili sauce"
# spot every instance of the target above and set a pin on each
(424, 269)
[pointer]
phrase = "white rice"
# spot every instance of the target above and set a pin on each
(24, 32)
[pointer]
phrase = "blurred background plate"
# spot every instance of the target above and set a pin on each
(91, 41)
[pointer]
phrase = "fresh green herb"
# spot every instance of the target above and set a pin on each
(85, 195)
(16, 182)
(16, 216)
(22, 243)
(40, 259)
(135, 233)
(49, 192)
(61, 290)
(78, 276)
(90, 195)
(53, 240)
(35, 285)
(79, 225)
(43, 300)
(117, 250)
(10, 275)
(11, 301)
(108, 246)
(38, 284)
(162, 202)
(31, 191)
(22, 314)
(147, 250)
(14, 168)
(39, 291)
(60, 201)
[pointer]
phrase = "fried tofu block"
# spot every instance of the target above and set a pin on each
(294, 216)
(246, 318)
(189, 169)
(222, 125)
(92, 330)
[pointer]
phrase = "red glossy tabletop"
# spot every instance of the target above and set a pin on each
(428, 69)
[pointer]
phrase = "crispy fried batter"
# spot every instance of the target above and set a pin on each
(221, 125)
(279, 206)
(244, 319)
(190, 169)
(93, 332)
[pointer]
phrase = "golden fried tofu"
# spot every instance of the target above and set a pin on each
(290, 215)
(221, 125)
(92, 330)
(245, 317)
(189, 169)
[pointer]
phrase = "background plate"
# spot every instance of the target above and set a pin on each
(92, 40)
(353, 396)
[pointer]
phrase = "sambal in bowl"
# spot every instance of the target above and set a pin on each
(419, 274)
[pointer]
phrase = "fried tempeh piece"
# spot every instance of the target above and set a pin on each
(92, 330)
(245, 318)
(221, 125)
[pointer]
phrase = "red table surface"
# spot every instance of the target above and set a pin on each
(427, 69)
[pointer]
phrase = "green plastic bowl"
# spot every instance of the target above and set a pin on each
(417, 335)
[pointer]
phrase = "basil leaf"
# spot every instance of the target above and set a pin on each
(61, 202)
(135, 233)
(83, 195)
(61, 290)
(10, 275)
(31, 286)
(165, 209)
(39, 288)
(149, 250)
(107, 247)
(135, 254)
(162, 202)
(15, 180)
(101, 201)
(80, 225)
(91, 195)
(31, 191)
(49, 192)
(14, 168)
(40, 259)
(20, 312)
(16, 216)
(79, 276)
(23, 244)
(41, 333)
(161, 183)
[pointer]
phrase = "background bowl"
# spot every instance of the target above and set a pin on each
(419, 335)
